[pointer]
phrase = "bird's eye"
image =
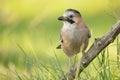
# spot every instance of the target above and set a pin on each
(71, 16)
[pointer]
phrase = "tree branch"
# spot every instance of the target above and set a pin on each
(98, 45)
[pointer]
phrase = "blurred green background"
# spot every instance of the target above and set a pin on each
(33, 25)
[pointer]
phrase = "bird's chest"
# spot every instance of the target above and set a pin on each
(71, 33)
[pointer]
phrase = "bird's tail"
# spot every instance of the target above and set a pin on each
(58, 47)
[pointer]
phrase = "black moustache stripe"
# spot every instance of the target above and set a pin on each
(70, 21)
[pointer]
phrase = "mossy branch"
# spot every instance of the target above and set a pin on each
(98, 45)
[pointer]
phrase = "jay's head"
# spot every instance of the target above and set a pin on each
(71, 16)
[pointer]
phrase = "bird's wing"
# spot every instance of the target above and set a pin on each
(61, 40)
(89, 34)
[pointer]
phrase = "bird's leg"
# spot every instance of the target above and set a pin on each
(77, 70)
(75, 59)
(70, 63)
(78, 66)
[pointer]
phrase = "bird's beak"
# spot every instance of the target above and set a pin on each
(62, 18)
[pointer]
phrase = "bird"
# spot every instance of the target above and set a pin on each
(74, 35)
